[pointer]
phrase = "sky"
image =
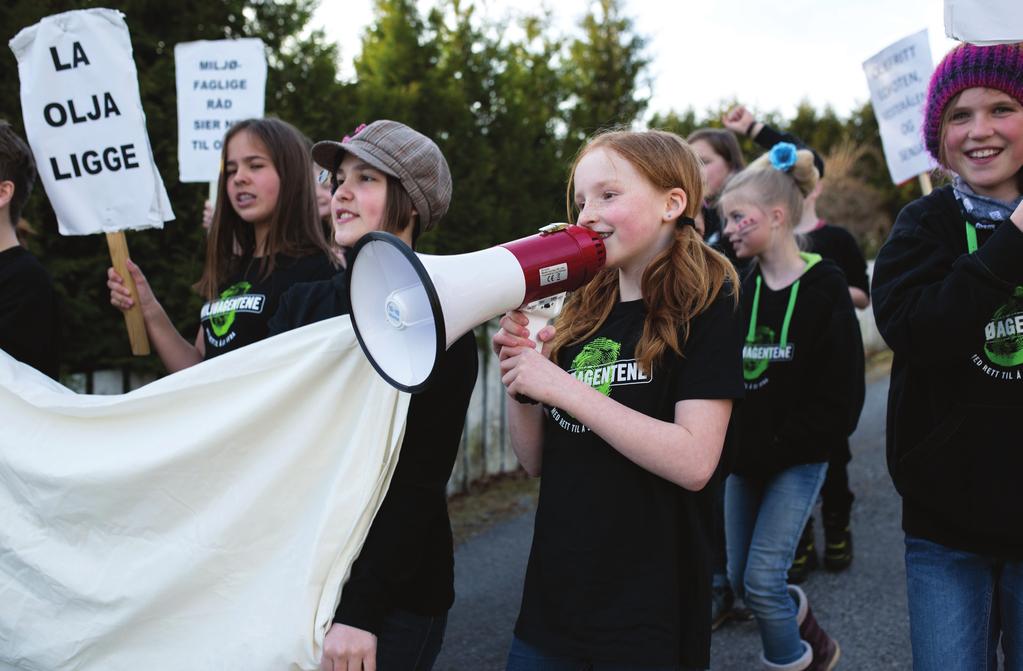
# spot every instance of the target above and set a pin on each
(768, 56)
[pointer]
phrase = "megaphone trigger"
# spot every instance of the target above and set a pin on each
(540, 313)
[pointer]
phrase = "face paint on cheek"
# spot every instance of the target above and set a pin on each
(746, 226)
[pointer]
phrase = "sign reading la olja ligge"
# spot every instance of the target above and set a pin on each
(84, 121)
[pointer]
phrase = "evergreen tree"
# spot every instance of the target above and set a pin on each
(603, 74)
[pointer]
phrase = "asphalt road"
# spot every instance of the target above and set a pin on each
(864, 608)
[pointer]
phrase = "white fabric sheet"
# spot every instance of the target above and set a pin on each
(205, 521)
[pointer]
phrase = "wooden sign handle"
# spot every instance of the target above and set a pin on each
(925, 183)
(133, 319)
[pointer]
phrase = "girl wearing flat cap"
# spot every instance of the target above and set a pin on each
(393, 610)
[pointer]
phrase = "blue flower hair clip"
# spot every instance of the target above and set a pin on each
(783, 156)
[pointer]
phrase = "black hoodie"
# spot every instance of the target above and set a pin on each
(803, 396)
(955, 408)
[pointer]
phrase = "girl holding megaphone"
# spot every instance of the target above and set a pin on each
(635, 387)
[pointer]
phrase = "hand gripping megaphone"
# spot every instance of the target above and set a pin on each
(408, 308)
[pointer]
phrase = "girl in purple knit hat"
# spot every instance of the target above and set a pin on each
(948, 297)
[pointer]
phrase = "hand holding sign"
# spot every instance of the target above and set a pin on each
(90, 140)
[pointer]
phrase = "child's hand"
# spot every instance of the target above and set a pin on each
(347, 647)
(1017, 217)
(207, 215)
(120, 296)
(531, 375)
(738, 120)
(513, 334)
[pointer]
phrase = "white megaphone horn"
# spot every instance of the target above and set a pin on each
(408, 308)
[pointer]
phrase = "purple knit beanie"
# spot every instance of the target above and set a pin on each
(967, 66)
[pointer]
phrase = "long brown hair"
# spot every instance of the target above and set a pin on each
(723, 143)
(295, 227)
(679, 283)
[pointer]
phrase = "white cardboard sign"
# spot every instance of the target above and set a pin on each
(984, 22)
(84, 121)
(219, 82)
(897, 77)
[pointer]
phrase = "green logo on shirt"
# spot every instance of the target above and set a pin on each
(596, 357)
(1003, 335)
(221, 321)
(758, 355)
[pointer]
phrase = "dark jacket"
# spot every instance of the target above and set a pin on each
(407, 561)
(955, 444)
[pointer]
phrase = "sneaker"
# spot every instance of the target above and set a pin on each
(721, 601)
(825, 649)
(838, 547)
(806, 556)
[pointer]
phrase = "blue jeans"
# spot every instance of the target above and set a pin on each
(959, 605)
(764, 518)
(525, 657)
(409, 642)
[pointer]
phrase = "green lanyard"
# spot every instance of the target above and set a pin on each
(811, 261)
(971, 237)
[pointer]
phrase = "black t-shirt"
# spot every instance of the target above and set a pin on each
(804, 389)
(240, 316)
(29, 322)
(838, 244)
(619, 569)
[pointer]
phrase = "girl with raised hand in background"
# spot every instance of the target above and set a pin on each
(634, 389)
(720, 158)
(393, 608)
(265, 236)
(803, 369)
(948, 297)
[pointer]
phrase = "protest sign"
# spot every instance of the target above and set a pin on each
(87, 130)
(218, 82)
(897, 77)
(984, 22)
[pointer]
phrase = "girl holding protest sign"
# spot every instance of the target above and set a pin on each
(393, 608)
(265, 236)
(635, 388)
(948, 297)
(803, 368)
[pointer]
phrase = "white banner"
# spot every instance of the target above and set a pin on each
(204, 521)
(897, 77)
(85, 124)
(219, 82)
(984, 22)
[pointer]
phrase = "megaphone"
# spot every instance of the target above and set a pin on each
(408, 308)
